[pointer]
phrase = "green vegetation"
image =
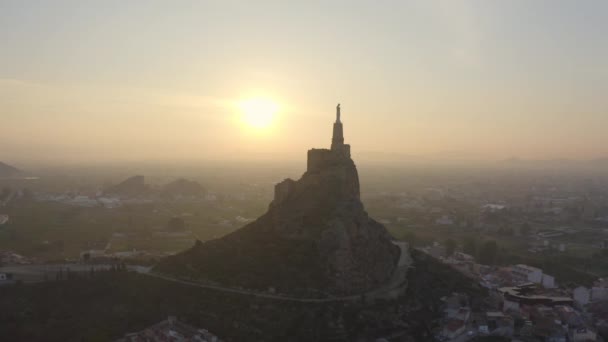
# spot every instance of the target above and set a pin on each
(54, 231)
(570, 267)
(244, 261)
(101, 306)
(450, 246)
(488, 253)
(111, 304)
(470, 246)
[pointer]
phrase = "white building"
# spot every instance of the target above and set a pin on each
(582, 295)
(444, 220)
(583, 335)
(599, 293)
(6, 278)
(92, 253)
(525, 273)
(510, 305)
(490, 207)
(548, 282)
(601, 282)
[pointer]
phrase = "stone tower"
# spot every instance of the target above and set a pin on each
(337, 140)
(319, 158)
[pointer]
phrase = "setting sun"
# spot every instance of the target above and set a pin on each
(258, 112)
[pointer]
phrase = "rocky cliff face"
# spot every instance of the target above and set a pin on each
(324, 207)
(315, 236)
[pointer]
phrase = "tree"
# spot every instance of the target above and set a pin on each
(508, 231)
(6, 191)
(27, 194)
(488, 252)
(176, 224)
(525, 228)
(450, 246)
(411, 238)
(470, 246)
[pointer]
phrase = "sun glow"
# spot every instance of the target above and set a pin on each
(258, 112)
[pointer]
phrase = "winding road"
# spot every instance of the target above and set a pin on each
(392, 289)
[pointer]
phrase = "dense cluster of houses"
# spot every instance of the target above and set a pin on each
(8, 257)
(170, 329)
(523, 303)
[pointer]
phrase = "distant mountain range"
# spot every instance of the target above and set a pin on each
(9, 171)
(132, 186)
(599, 162)
(183, 187)
(458, 157)
(136, 186)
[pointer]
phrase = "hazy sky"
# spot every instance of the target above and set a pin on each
(161, 79)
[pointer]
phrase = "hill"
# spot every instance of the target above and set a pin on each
(126, 302)
(132, 186)
(182, 187)
(7, 171)
(315, 237)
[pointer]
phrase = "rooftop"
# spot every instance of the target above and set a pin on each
(528, 268)
(170, 330)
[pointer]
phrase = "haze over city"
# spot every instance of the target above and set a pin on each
(196, 80)
(315, 171)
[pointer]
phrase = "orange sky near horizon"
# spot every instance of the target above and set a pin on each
(87, 80)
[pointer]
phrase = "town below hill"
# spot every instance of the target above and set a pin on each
(500, 218)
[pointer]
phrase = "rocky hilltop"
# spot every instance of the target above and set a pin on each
(9, 171)
(132, 186)
(182, 187)
(315, 237)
